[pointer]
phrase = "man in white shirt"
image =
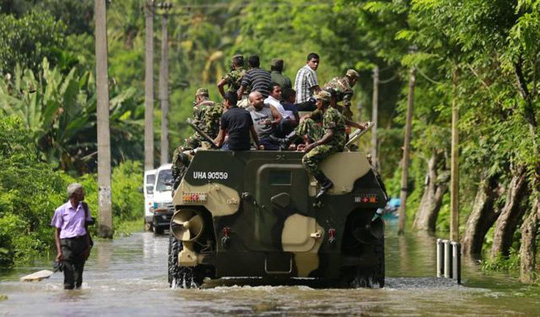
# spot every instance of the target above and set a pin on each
(289, 121)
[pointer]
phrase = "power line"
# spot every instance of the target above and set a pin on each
(242, 5)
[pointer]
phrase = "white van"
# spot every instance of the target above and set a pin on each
(148, 190)
(162, 208)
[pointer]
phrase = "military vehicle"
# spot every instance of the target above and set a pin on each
(254, 214)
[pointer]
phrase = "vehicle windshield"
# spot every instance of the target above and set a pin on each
(164, 181)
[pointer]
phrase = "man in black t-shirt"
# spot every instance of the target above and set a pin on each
(237, 124)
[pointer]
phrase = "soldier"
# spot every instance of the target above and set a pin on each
(309, 129)
(332, 141)
(233, 79)
(276, 69)
(343, 89)
(206, 116)
(348, 120)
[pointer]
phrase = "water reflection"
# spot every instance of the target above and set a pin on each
(127, 276)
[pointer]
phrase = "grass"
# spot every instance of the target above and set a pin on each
(126, 228)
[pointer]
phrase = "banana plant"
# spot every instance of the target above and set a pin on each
(60, 113)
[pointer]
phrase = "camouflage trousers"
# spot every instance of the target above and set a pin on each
(313, 158)
(309, 128)
(180, 163)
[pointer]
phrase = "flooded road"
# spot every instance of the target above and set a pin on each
(127, 277)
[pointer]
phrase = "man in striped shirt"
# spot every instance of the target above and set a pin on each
(306, 83)
(255, 78)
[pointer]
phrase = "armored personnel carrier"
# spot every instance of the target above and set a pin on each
(254, 214)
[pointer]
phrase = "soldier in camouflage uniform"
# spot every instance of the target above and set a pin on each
(309, 128)
(332, 142)
(233, 79)
(343, 89)
(206, 116)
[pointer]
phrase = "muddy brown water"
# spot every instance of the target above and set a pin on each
(127, 277)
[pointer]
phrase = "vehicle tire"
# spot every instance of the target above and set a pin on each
(148, 226)
(374, 278)
(158, 231)
(181, 276)
(379, 275)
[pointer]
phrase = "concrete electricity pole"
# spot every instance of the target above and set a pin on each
(164, 84)
(406, 150)
(374, 119)
(103, 130)
(149, 88)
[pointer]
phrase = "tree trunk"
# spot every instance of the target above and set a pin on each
(511, 214)
(527, 251)
(374, 119)
(436, 187)
(406, 148)
(482, 217)
(454, 163)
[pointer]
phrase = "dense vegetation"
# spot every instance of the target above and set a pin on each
(482, 56)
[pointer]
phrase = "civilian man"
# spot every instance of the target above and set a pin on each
(306, 83)
(236, 123)
(72, 238)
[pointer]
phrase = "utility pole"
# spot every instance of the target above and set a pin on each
(164, 84)
(374, 119)
(406, 150)
(149, 88)
(454, 167)
(103, 130)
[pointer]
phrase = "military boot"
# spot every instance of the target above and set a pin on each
(325, 184)
(286, 141)
(283, 142)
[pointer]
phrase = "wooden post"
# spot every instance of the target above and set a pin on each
(164, 89)
(374, 119)
(454, 167)
(149, 88)
(406, 149)
(103, 130)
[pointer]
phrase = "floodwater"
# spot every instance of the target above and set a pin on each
(128, 277)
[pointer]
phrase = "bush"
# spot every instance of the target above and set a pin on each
(128, 202)
(29, 193)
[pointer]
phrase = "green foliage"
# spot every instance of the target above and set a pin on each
(26, 41)
(29, 193)
(60, 112)
(508, 264)
(128, 202)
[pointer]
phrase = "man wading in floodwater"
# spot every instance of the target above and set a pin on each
(73, 241)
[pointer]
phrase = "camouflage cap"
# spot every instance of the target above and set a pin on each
(238, 59)
(202, 92)
(352, 73)
(276, 62)
(323, 95)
